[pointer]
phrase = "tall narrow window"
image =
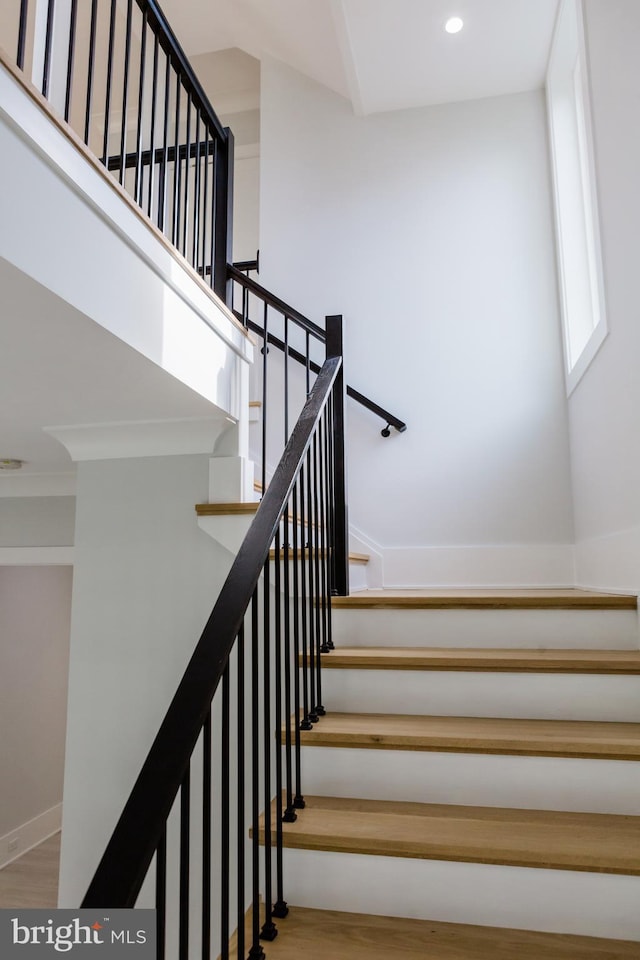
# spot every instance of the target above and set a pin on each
(579, 263)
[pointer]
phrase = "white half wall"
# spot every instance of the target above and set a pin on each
(35, 608)
(67, 225)
(603, 409)
(431, 231)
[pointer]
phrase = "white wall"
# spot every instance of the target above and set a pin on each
(36, 521)
(603, 410)
(35, 606)
(145, 580)
(431, 231)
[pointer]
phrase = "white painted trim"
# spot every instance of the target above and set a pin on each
(30, 834)
(141, 438)
(485, 565)
(360, 543)
(36, 556)
(38, 485)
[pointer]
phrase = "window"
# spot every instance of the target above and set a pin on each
(578, 243)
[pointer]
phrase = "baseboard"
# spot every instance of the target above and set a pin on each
(610, 562)
(30, 834)
(512, 565)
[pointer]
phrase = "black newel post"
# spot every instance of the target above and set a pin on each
(340, 546)
(223, 225)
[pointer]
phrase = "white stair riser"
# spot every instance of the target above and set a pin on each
(557, 901)
(540, 783)
(542, 696)
(561, 629)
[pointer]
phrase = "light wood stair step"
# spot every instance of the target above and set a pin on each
(485, 659)
(584, 842)
(542, 738)
(313, 934)
(485, 599)
(353, 557)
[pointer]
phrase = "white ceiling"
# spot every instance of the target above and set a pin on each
(383, 54)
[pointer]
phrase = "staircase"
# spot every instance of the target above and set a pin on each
(474, 789)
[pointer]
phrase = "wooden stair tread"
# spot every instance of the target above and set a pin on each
(588, 842)
(544, 738)
(226, 509)
(308, 934)
(486, 599)
(494, 660)
(353, 557)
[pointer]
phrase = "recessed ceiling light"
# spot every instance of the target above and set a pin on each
(454, 25)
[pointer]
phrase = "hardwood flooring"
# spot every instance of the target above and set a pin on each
(32, 880)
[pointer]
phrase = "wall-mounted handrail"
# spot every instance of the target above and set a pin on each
(265, 296)
(279, 635)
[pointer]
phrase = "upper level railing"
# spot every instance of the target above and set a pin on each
(117, 74)
(229, 747)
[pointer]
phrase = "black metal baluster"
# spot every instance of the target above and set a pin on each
(187, 167)
(176, 168)
(224, 819)
(265, 354)
(311, 532)
(280, 908)
(107, 107)
(125, 93)
(73, 16)
(269, 930)
(240, 838)
(289, 815)
(152, 132)
(195, 252)
(206, 838)
(298, 548)
(137, 190)
(316, 574)
(48, 40)
(183, 931)
(161, 894)
(164, 174)
(90, 68)
(22, 33)
(308, 362)
(256, 952)
(305, 723)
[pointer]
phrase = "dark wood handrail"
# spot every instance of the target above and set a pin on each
(125, 863)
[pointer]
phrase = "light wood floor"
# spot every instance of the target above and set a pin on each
(32, 880)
